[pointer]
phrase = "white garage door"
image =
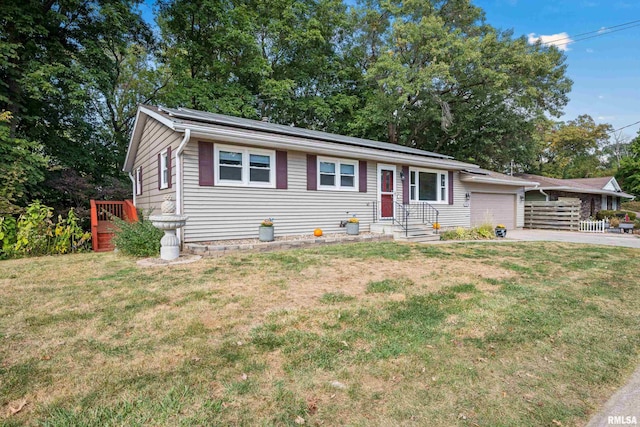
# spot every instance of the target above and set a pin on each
(493, 208)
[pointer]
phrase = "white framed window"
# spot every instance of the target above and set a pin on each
(164, 169)
(337, 174)
(244, 167)
(427, 185)
(139, 181)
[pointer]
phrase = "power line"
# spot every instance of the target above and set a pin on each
(602, 34)
(597, 33)
(601, 31)
(624, 127)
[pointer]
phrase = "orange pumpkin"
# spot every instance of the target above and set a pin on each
(317, 232)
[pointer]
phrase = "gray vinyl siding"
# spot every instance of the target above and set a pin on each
(502, 189)
(155, 138)
(455, 215)
(219, 212)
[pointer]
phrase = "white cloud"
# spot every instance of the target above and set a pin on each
(560, 40)
(606, 118)
(600, 96)
(590, 50)
(602, 30)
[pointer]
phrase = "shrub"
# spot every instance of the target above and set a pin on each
(8, 230)
(35, 233)
(631, 206)
(139, 238)
(618, 214)
(482, 232)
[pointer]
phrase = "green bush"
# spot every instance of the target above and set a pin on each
(35, 233)
(618, 214)
(139, 238)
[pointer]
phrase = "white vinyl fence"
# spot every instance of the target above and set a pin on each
(593, 226)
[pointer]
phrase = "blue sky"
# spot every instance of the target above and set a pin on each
(605, 70)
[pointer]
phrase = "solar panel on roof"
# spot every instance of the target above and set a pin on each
(196, 115)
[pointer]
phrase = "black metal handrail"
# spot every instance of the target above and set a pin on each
(421, 211)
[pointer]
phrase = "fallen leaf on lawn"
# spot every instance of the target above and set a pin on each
(312, 405)
(15, 409)
(556, 422)
(299, 420)
(244, 376)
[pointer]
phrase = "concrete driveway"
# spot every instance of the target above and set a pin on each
(610, 239)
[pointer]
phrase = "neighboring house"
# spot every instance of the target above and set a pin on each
(595, 194)
(227, 174)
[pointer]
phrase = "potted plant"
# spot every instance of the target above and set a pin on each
(501, 230)
(265, 231)
(614, 223)
(353, 226)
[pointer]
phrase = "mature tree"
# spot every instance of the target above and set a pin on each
(629, 172)
(448, 82)
(58, 62)
(573, 149)
(21, 167)
(211, 53)
(280, 59)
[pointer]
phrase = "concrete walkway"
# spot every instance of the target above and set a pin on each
(623, 408)
(610, 239)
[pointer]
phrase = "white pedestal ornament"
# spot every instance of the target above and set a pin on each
(169, 222)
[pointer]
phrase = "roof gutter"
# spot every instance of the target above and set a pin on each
(497, 181)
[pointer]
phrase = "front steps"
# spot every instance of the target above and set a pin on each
(417, 232)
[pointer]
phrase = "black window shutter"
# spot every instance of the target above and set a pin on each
(159, 171)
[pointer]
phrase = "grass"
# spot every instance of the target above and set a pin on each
(523, 334)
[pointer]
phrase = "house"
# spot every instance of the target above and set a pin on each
(227, 174)
(595, 194)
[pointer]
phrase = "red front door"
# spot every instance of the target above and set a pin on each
(386, 193)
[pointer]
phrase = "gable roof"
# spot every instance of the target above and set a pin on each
(603, 185)
(209, 125)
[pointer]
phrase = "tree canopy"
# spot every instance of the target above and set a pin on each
(430, 74)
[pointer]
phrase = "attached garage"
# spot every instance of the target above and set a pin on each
(494, 208)
(494, 198)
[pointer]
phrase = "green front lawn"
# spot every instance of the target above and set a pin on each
(525, 334)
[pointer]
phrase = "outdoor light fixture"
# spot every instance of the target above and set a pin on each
(522, 198)
(402, 176)
(467, 196)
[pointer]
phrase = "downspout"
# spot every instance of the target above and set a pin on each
(544, 194)
(133, 185)
(183, 144)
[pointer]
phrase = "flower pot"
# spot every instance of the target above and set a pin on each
(265, 233)
(501, 232)
(353, 228)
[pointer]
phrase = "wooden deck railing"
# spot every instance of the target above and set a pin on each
(101, 213)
